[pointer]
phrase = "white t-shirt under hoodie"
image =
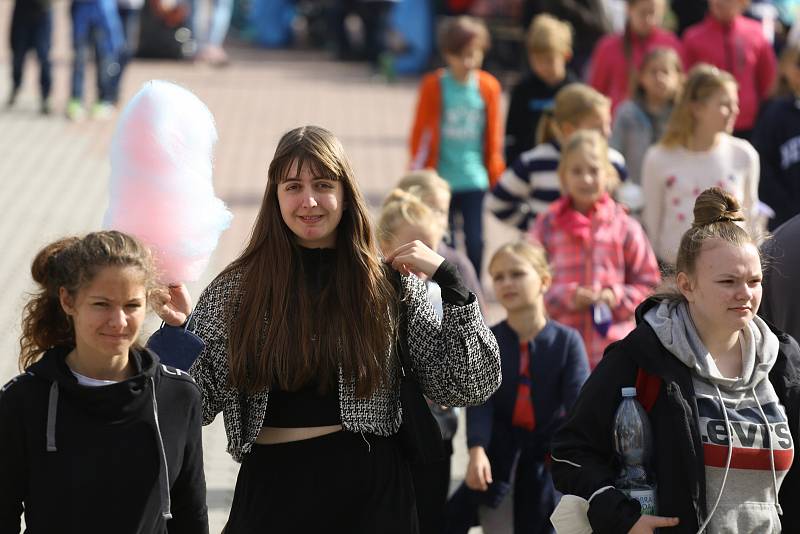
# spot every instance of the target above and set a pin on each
(672, 178)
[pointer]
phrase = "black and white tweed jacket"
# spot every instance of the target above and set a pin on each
(457, 362)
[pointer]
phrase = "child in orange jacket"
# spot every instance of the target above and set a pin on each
(458, 128)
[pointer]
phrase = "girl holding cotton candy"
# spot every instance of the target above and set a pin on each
(299, 357)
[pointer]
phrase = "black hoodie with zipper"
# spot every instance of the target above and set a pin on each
(583, 461)
(125, 458)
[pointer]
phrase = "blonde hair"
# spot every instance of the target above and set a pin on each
(424, 184)
(573, 103)
(403, 208)
(533, 254)
(595, 139)
(456, 33)
(547, 34)
(704, 80)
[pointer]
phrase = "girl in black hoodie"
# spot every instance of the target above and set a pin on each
(97, 435)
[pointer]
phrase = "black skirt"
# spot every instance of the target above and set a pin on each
(340, 482)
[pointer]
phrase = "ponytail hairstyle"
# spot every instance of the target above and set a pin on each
(704, 80)
(717, 215)
(72, 263)
(573, 103)
(404, 208)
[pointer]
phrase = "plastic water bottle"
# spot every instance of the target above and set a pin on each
(633, 443)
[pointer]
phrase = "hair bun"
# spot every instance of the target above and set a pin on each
(46, 266)
(715, 205)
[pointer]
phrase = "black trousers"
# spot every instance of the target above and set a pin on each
(31, 30)
(341, 482)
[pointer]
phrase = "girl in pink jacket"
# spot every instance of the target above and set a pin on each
(732, 42)
(617, 57)
(603, 265)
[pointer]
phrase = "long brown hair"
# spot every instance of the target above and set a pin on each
(71, 263)
(351, 321)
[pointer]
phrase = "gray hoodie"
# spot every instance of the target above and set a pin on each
(743, 475)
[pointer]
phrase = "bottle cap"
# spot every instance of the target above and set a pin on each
(628, 392)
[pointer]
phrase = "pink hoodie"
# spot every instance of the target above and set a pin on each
(611, 70)
(741, 49)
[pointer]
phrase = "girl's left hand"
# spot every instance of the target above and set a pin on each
(414, 257)
(173, 304)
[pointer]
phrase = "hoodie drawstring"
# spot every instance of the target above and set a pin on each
(163, 474)
(52, 411)
(369, 447)
(728, 429)
(771, 451)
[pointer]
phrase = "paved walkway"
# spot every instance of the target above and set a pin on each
(53, 173)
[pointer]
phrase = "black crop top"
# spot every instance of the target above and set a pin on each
(306, 407)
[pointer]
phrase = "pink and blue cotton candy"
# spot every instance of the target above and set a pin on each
(161, 188)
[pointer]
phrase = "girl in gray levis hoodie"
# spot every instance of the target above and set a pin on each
(722, 389)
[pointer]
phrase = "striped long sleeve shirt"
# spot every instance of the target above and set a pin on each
(531, 184)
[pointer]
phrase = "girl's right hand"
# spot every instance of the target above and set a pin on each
(648, 523)
(479, 470)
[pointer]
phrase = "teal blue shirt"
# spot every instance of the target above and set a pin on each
(463, 127)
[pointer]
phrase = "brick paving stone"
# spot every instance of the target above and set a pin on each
(53, 173)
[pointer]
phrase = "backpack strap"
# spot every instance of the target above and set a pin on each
(647, 388)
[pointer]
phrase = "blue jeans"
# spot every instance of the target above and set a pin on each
(219, 21)
(469, 204)
(31, 30)
(95, 25)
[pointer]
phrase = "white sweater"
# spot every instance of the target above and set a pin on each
(672, 178)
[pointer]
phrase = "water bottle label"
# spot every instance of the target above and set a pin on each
(646, 498)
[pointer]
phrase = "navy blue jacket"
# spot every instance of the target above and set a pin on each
(558, 369)
(777, 139)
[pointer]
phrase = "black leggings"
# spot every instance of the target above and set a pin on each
(340, 482)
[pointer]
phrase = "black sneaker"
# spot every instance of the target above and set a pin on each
(44, 109)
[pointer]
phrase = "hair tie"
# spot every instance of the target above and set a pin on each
(729, 216)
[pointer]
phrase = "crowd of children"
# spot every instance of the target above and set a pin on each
(600, 179)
